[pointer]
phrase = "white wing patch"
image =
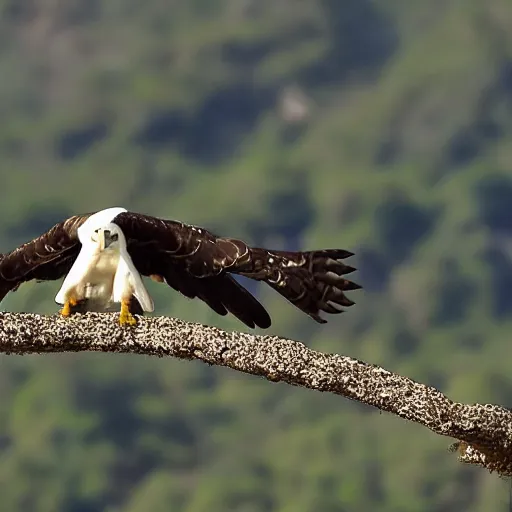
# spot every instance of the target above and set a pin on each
(128, 282)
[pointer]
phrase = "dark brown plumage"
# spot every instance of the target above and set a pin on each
(46, 258)
(196, 263)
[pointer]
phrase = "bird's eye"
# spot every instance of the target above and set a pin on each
(114, 237)
(97, 230)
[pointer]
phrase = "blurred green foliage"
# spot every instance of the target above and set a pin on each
(380, 127)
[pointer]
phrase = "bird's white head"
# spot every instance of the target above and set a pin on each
(109, 238)
(99, 220)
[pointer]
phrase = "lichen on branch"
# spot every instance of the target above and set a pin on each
(483, 431)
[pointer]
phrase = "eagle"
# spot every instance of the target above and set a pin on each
(103, 256)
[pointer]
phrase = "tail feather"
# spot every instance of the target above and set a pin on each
(312, 281)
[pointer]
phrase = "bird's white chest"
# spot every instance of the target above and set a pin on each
(98, 281)
(103, 266)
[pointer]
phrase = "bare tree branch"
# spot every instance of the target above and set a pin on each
(484, 432)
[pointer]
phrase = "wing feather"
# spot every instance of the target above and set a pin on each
(220, 292)
(47, 257)
(197, 263)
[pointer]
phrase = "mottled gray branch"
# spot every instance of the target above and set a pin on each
(484, 432)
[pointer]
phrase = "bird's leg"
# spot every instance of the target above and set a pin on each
(70, 303)
(125, 317)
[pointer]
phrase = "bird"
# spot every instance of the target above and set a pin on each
(104, 255)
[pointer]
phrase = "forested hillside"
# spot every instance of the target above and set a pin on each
(382, 127)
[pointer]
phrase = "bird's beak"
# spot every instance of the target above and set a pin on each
(106, 239)
(102, 239)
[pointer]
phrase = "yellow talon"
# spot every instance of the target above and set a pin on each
(66, 309)
(125, 317)
(68, 305)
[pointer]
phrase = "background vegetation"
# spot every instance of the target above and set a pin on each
(384, 127)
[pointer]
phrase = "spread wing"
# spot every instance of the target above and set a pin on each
(47, 257)
(198, 264)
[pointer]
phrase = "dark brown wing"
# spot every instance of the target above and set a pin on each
(221, 292)
(46, 258)
(193, 262)
(197, 263)
(313, 281)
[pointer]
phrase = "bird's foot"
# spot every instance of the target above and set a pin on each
(69, 305)
(125, 317)
(67, 309)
